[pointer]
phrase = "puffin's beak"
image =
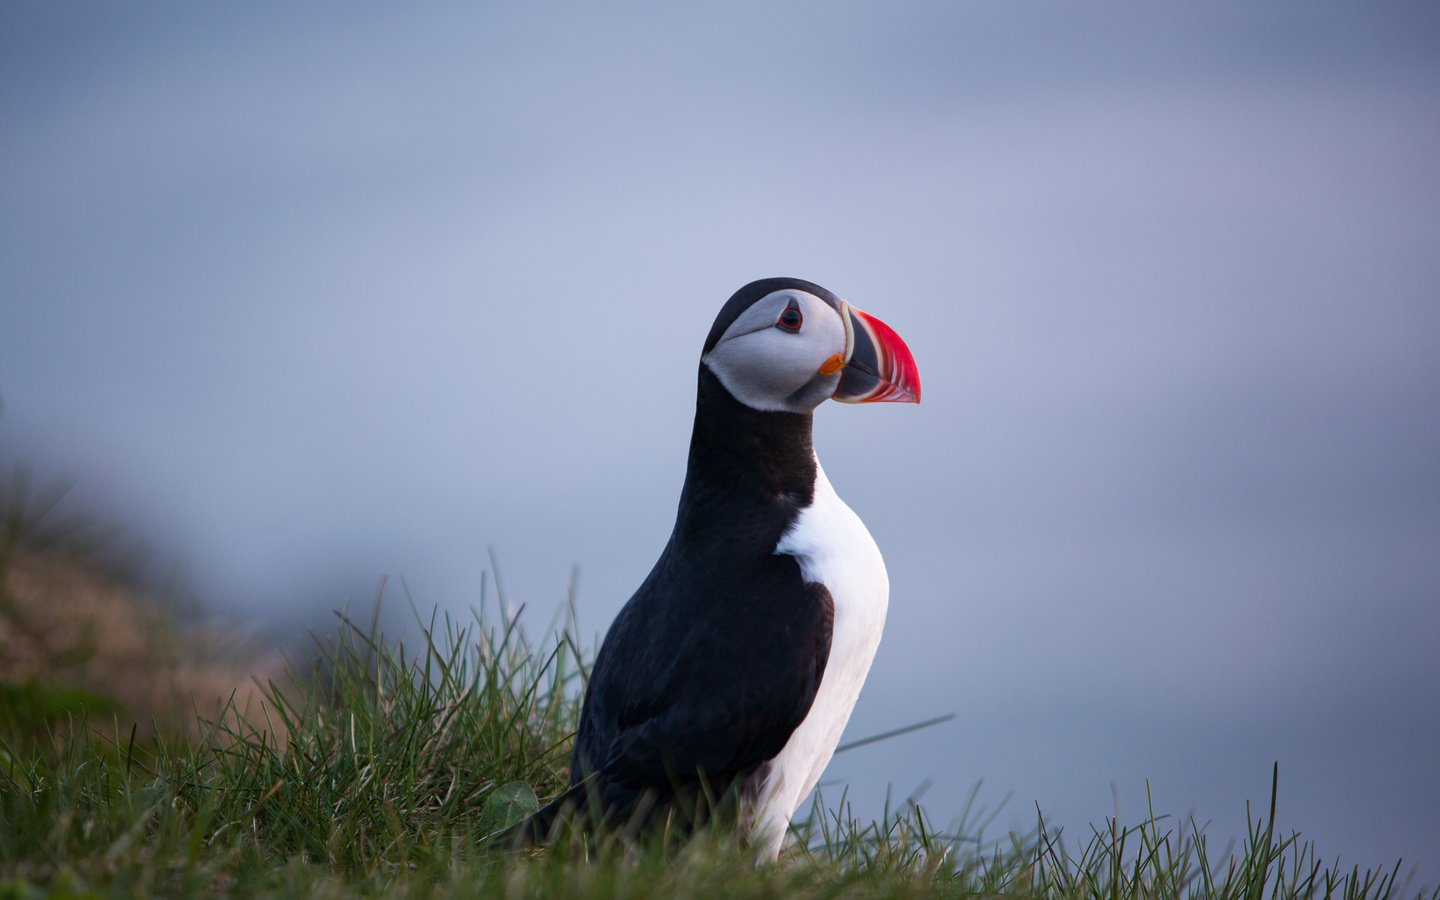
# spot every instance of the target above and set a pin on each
(878, 365)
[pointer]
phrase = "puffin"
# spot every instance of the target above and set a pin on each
(733, 669)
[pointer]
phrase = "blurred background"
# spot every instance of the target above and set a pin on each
(305, 296)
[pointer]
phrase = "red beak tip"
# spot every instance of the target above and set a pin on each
(882, 355)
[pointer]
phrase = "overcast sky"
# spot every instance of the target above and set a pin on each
(308, 296)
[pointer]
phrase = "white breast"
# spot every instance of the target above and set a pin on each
(834, 549)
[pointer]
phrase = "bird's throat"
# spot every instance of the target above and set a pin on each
(753, 467)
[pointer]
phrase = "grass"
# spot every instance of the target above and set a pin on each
(382, 768)
(377, 767)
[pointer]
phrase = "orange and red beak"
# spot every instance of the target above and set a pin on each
(878, 365)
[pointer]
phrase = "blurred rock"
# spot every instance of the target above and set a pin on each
(67, 626)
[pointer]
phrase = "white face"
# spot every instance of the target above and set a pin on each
(771, 357)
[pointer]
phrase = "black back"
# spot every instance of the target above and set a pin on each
(717, 657)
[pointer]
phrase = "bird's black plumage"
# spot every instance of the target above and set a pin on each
(716, 659)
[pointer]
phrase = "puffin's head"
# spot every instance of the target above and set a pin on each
(786, 345)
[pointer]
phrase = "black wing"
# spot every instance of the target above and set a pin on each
(697, 679)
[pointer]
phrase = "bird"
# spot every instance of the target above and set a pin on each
(734, 667)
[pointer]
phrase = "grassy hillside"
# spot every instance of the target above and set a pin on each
(372, 766)
(395, 764)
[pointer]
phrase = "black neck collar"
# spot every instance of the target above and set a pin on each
(750, 471)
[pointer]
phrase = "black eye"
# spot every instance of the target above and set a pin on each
(790, 320)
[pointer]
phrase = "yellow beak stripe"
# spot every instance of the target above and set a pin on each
(839, 360)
